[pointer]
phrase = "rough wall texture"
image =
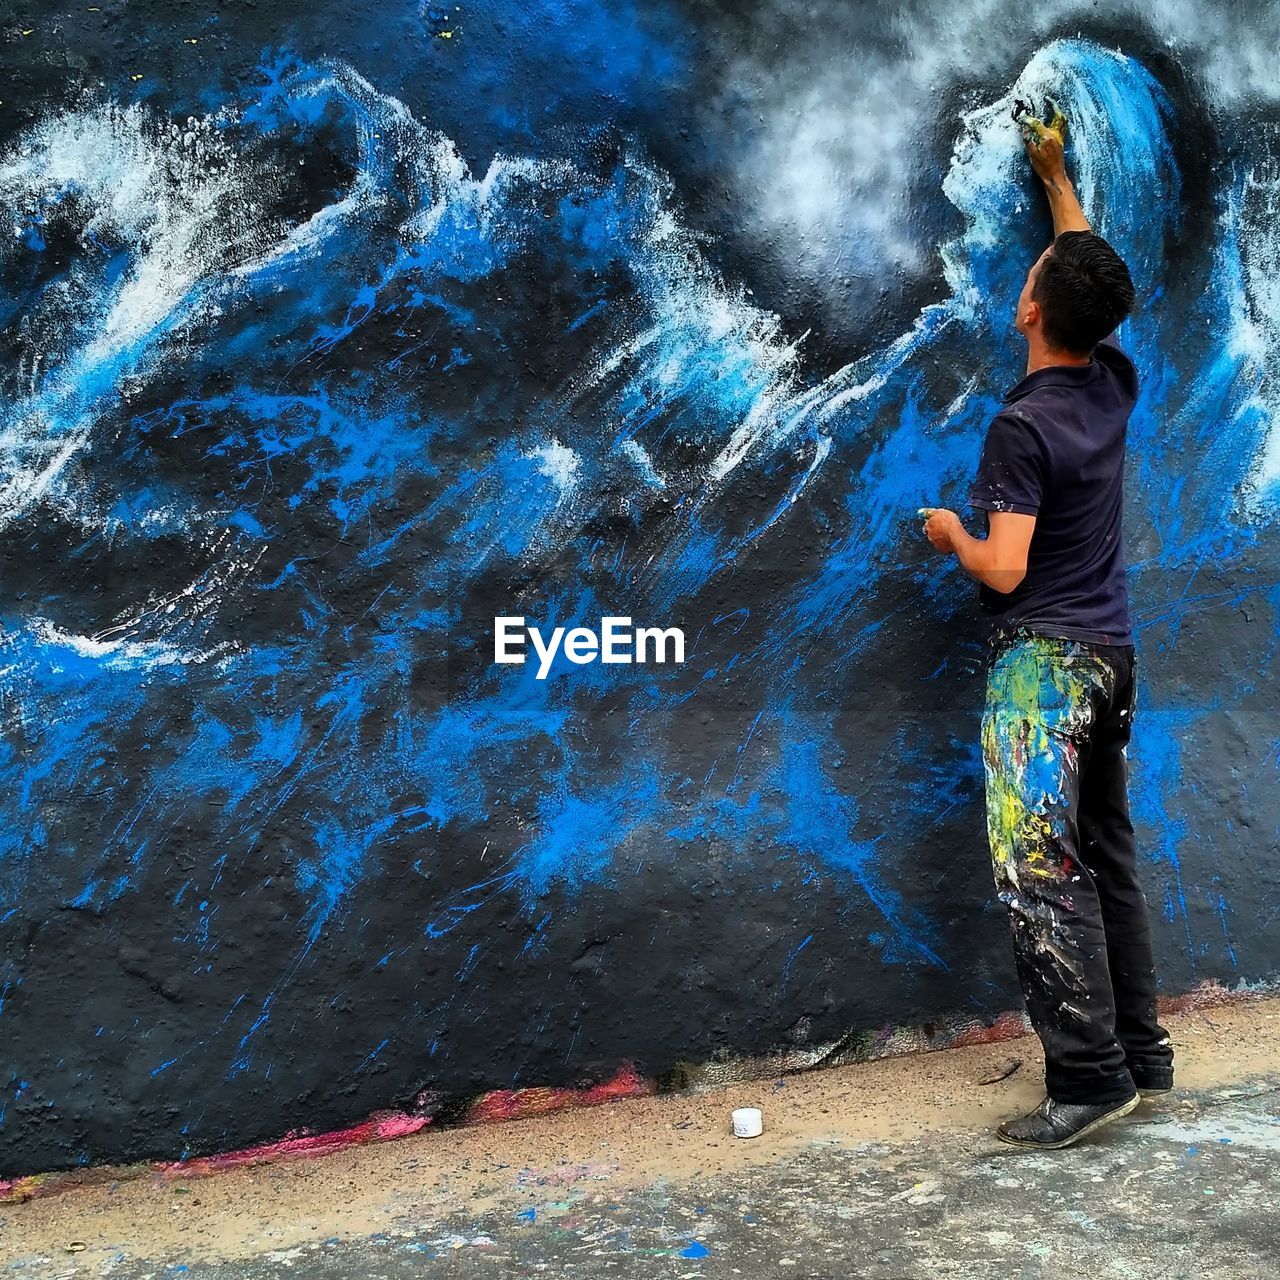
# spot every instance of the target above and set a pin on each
(333, 331)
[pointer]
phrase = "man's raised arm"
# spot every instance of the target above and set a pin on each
(1044, 148)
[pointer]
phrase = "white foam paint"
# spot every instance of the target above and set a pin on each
(170, 194)
(167, 191)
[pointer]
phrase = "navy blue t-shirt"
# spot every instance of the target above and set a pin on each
(1056, 451)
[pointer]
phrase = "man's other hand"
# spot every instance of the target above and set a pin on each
(940, 527)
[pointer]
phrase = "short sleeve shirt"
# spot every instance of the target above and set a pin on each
(1056, 451)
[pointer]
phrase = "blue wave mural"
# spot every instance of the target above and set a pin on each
(303, 389)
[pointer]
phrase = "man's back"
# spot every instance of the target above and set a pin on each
(1056, 451)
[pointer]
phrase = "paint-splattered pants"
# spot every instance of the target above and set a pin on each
(1054, 735)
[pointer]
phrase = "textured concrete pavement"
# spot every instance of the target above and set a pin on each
(1189, 1192)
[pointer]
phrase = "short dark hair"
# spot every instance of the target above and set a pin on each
(1084, 290)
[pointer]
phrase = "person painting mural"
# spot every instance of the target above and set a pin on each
(1061, 679)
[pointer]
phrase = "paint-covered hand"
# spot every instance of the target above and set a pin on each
(940, 527)
(1045, 145)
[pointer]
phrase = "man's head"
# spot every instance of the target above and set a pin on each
(1075, 295)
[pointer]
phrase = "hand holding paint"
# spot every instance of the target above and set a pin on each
(939, 524)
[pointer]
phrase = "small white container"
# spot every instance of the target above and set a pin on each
(747, 1122)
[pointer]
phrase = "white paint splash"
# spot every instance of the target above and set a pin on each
(637, 453)
(178, 200)
(163, 631)
(118, 653)
(560, 465)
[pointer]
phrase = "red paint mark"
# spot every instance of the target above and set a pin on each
(1008, 1026)
(299, 1144)
(513, 1104)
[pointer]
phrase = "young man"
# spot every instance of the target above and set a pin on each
(1060, 692)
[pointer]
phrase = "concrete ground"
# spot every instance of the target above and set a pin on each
(886, 1171)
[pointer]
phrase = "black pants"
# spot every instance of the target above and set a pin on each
(1054, 735)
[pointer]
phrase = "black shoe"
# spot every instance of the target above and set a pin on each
(1058, 1124)
(1153, 1081)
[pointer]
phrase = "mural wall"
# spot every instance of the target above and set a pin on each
(333, 332)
